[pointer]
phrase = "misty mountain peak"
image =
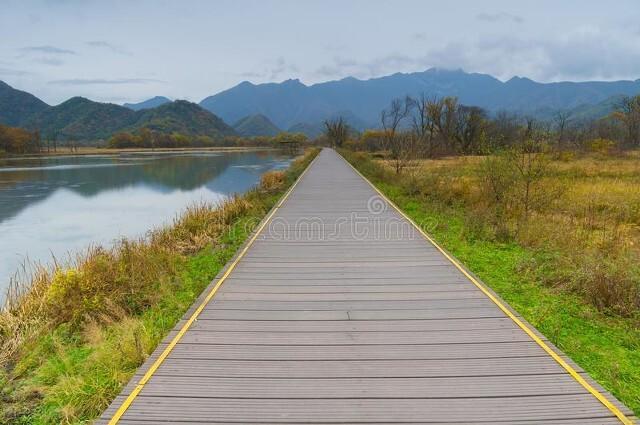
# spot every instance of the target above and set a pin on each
(293, 82)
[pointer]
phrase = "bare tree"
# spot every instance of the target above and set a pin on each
(504, 129)
(423, 124)
(561, 120)
(470, 129)
(394, 142)
(443, 113)
(337, 131)
(531, 163)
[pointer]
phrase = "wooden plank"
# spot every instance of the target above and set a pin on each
(290, 388)
(311, 288)
(386, 296)
(352, 305)
(585, 421)
(185, 366)
(277, 353)
(554, 409)
(354, 338)
(311, 326)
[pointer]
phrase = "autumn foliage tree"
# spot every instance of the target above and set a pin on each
(629, 114)
(19, 141)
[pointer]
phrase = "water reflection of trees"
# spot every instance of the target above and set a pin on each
(89, 176)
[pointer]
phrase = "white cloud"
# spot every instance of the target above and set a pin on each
(584, 53)
(103, 81)
(101, 44)
(50, 50)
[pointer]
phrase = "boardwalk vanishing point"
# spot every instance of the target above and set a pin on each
(340, 310)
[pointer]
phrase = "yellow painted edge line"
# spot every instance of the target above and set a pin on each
(597, 394)
(165, 353)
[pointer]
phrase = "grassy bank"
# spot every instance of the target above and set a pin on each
(572, 272)
(76, 335)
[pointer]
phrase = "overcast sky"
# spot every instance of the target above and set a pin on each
(121, 51)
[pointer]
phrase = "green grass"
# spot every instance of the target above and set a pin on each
(607, 347)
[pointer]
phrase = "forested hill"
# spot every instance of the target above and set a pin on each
(17, 106)
(182, 117)
(256, 125)
(291, 102)
(82, 119)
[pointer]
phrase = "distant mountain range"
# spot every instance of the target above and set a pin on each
(586, 111)
(266, 109)
(255, 125)
(291, 102)
(311, 130)
(148, 104)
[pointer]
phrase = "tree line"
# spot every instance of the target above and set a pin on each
(150, 139)
(428, 127)
(19, 141)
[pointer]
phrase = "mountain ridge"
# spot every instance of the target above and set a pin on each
(291, 102)
(153, 102)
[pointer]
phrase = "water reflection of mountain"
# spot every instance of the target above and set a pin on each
(27, 182)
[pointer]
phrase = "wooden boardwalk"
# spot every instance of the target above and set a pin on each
(340, 311)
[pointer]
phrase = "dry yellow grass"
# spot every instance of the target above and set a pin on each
(592, 221)
(273, 180)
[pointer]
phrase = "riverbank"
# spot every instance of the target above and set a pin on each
(91, 150)
(540, 280)
(79, 333)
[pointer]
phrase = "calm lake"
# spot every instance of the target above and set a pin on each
(55, 206)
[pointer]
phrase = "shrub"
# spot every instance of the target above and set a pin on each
(602, 146)
(273, 180)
